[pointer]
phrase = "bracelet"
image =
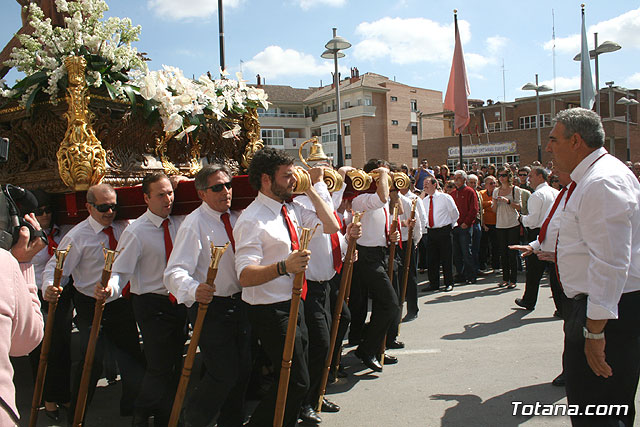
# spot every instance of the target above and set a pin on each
(278, 268)
(281, 266)
(508, 201)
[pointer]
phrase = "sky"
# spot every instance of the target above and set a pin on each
(505, 42)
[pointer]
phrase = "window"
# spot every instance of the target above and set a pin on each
(395, 145)
(528, 122)
(273, 137)
(414, 105)
(329, 136)
(271, 112)
(509, 124)
(347, 104)
(394, 122)
(414, 128)
(414, 152)
(514, 158)
(367, 101)
(347, 129)
(347, 156)
(394, 99)
(493, 127)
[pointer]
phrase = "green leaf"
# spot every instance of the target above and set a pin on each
(31, 98)
(31, 80)
(194, 120)
(111, 89)
(130, 94)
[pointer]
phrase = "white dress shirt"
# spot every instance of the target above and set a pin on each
(40, 259)
(445, 211)
(262, 238)
(538, 206)
(549, 242)
(191, 255)
(85, 260)
(599, 237)
(374, 220)
(320, 267)
(406, 215)
(141, 256)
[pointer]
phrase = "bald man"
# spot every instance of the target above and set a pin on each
(85, 263)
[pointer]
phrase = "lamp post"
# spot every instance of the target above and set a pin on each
(538, 89)
(627, 102)
(605, 47)
(334, 47)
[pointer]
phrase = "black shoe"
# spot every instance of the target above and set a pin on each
(341, 372)
(449, 288)
(410, 317)
(390, 360)
(308, 415)
(559, 380)
(52, 415)
(140, 420)
(472, 281)
(328, 406)
(430, 288)
(395, 344)
(519, 302)
(459, 279)
(369, 361)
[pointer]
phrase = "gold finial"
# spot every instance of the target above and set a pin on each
(455, 10)
(216, 254)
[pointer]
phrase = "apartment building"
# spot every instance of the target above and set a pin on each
(379, 118)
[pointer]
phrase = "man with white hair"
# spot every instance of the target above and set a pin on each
(467, 203)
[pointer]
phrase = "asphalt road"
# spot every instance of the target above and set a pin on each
(470, 354)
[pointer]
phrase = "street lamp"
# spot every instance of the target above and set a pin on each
(538, 89)
(605, 47)
(334, 47)
(627, 102)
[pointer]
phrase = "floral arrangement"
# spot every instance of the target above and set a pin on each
(113, 64)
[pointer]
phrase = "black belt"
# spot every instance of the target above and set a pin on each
(446, 227)
(236, 296)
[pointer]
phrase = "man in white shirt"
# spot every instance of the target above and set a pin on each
(85, 262)
(598, 257)
(143, 250)
(225, 342)
(268, 258)
(442, 215)
(538, 206)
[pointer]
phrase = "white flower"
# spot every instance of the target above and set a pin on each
(186, 131)
(148, 87)
(173, 123)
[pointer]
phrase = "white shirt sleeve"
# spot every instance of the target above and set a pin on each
(534, 207)
(182, 264)
(248, 245)
(71, 261)
(128, 253)
(367, 202)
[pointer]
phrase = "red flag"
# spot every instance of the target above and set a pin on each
(458, 87)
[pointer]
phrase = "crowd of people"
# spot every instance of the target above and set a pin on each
(484, 220)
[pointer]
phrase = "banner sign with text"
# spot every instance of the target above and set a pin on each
(483, 150)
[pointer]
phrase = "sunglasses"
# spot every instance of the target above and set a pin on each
(523, 174)
(503, 175)
(42, 210)
(105, 207)
(218, 187)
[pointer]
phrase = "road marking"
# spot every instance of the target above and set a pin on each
(416, 351)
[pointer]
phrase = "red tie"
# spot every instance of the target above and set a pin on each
(335, 248)
(431, 222)
(168, 247)
(386, 224)
(227, 226)
(295, 244)
(545, 224)
(51, 244)
(113, 244)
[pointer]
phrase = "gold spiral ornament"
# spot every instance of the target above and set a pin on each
(400, 180)
(360, 180)
(303, 180)
(376, 176)
(333, 180)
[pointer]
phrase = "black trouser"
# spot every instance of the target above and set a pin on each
(57, 383)
(345, 316)
(489, 249)
(392, 332)
(622, 350)
(509, 257)
(269, 324)
(535, 270)
(559, 298)
(411, 295)
(162, 325)
(422, 259)
(225, 346)
(119, 329)
(439, 247)
(370, 278)
(317, 316)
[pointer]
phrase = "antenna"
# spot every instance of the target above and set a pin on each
(504, 90)
(241, 64)
(553, 38)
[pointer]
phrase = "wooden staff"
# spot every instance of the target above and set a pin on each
(46, 341)
(109, 257)
(337, 311)
(392, 257)
(407, 256)
(290, 338)
(181, 392)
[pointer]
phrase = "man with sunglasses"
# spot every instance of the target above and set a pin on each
(225, 342)
(85, 263)
(143, 250)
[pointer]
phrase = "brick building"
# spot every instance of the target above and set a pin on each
(506, 132)
(379, 118)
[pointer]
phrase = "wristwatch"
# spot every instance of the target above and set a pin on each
(591, 336)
